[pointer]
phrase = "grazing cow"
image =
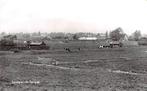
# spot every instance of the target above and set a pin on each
(116, 43)
(106, 46)
(67, 49)
(79, 49)
(101, 46)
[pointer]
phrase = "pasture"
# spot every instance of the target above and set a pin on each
(87, 69)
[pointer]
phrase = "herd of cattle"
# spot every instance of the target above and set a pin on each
(111, 44)
(100, 45)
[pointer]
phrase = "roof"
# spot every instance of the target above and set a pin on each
(37, 43)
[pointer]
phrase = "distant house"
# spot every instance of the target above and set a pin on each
(87, 38)
(35, 45)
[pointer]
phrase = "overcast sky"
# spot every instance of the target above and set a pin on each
(72, 15)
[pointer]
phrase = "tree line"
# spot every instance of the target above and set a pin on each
(116, 34)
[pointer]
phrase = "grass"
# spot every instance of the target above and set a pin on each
(91, 76)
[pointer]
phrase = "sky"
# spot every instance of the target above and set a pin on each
(97, 16)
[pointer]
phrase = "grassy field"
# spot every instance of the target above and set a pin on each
(90, 69)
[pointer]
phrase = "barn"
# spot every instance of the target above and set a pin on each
(38, 45)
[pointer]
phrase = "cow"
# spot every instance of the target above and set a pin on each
(116, 43)
(101, 46)
(79, 49)
(67, 49)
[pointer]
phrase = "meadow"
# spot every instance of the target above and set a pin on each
(88, 69)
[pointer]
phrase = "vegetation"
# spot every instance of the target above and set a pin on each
(90, 69)
(15, 39)
(136, 35)
(117, 34)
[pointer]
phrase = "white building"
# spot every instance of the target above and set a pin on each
(87, 38)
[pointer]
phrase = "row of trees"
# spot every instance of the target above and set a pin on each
(115, 35)
(136, 35)
(119, 34)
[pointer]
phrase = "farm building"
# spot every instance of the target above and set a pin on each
(110, 43)
(38, 45)
(87, 38)
(22, 45)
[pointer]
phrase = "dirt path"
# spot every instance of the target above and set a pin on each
(124, 72)
(52, 66)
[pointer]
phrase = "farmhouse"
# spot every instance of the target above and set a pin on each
(37, 45)
(25, 45)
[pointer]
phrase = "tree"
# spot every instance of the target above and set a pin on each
(39, 33)
(7, 42)
(106, 34)
(136, 35)
(3, 33)
(10, 37)
(75, 37)
(117, 34)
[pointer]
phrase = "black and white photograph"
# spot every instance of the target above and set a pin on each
(73, 45)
